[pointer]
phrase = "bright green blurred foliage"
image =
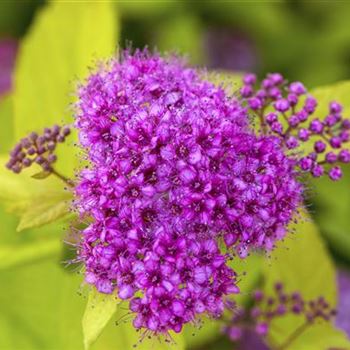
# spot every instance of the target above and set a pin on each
(303, 40)
(304, 268)
(15, 17)
(285, 36)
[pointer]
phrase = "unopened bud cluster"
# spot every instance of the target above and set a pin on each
(267, 308)
(288, 111)
(37, 148)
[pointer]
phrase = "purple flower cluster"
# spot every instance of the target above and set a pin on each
(173, 169)
(269, 307)
(288, 111)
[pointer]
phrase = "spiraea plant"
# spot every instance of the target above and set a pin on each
(184, 180)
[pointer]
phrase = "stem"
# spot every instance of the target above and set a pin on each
(262, 121)
(285, 117)
(289, 129)
(67, 181)
(325, 138)
(301, 329)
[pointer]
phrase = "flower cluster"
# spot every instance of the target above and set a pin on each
(37, 149)
(267, 308)
(288, 111)
(174, 168)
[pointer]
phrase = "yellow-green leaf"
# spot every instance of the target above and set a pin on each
(335, 92)
(249, 271)
(36, 202)
(302, 263)
(45, 208)
(63, 42)
(41, 175)
(17, 255)
(318, 336)
(16, 190)
(99, 310)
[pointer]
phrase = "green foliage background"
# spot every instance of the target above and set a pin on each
(43, 302)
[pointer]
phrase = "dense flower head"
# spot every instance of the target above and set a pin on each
(288, 111)
(174, 168)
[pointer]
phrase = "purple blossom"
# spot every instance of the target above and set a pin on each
(344, 156)
(282, 105)
(174, 166)
(335, 173)
(331, 157)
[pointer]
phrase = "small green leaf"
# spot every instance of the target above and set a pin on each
(99, 310)
(55, 54)
(41, 175)
(44, 209)
(17, 190)
(14, 189)
(37, 203)
(17, 255)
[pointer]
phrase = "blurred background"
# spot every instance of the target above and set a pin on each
(304, 40)
(284, 36)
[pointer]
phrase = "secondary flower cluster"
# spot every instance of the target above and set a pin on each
(37, 149)
(174, 168)
(288, 111)
(269, 307)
